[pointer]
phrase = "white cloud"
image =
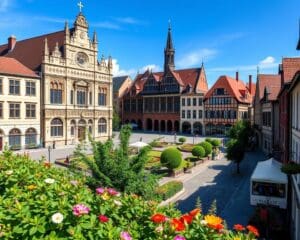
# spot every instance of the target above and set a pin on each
(267, 63)
(153, 67)
(106, 24)
(128, 20)
(196, 57)
(4, 4)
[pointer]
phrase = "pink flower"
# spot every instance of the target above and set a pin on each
(100, 190)
(178, 237)
(80, 209)
(112, 191)
(125, 236)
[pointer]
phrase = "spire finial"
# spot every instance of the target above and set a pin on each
(80, 5)
(169, 27)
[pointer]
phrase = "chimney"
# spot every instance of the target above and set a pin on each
(11, 42)
(236, 76)
(250, 84)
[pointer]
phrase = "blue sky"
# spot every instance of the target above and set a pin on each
(228, 35)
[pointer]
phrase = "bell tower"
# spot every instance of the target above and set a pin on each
(169, 52)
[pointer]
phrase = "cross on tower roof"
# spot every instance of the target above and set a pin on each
(80, 5)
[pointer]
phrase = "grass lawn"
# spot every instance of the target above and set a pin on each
(188, 147)
(153, 159)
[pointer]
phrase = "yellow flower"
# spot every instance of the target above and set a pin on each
(236, 238)
(214, 222)
(105, 196)
(31, 187)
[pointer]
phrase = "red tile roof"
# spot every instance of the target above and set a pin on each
(12, 66)
(290, 66)
(270, 81)
(184, 78)
(30, 51)
(234, 88)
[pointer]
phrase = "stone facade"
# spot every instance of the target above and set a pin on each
(19, 111)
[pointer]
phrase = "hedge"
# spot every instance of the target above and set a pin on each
(169, 189)
(171, 158)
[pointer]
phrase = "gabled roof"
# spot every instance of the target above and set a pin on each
(118, 81)
(184, 78)
(271, 82)
(11, 66)
(30, 51)
(289, 67)
(236, 88)
(295, 81)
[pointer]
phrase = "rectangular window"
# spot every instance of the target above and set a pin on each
(1, 86)
(14, 110)
(14, 87)
(188, 102)
(1, 110)
(200, 113)
(90, 98)
(55, 96)
(30, 88)
(183, 102)
(72, 97)
(30, 110)
(81, 97)
(194, 101)
(194, 114)
(200, 101)
(188, 114)
(102, 99)
(183, 113)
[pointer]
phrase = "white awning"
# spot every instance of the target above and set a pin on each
(138, 144)
(269, 171)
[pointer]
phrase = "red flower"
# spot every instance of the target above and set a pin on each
(218, 227)
(47, 164)
(103, 218)
(253, 230)
(177, 225)
(186, 219)
(238, 227)
(158, 218)
(195, 212)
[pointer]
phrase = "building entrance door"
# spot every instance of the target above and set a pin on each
(81, 133)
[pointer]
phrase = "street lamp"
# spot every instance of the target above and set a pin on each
(49, 151)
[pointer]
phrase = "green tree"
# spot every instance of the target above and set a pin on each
(171, 158)
(115, 168)
(182, 140)
(198, 152)
(235, 152)
(207, 147)
(116, 121)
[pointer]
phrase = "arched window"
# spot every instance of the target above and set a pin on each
(30, 136)
(90, 123)
(56, 128)
(102, 95)
(56, 92)
(102, 125)
(14, 139)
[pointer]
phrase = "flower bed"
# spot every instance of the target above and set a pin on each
(186, 147)
(169, 189)
(38, 201)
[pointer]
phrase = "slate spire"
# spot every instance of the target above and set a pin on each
(169, 51)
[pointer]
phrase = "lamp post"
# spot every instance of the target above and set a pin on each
(49, 156)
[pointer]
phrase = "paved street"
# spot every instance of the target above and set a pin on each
(219, 181)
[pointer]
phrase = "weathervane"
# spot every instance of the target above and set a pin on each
(80, 5)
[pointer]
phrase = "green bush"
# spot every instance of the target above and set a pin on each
(182, 139)
(198, 151)
(169, 189)
(207, 147)
(171, 158)
(291, 168)
(208, 140)
(216, 142)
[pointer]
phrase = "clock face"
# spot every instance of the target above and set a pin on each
(81, 58)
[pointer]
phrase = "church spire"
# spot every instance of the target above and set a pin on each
(169, 52)
(298, 45)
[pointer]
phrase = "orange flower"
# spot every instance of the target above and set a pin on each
(253, 230)
(214, 222)
(238, 227)
(186, 219)
(158, 218)
(195, 212)
(177, 225)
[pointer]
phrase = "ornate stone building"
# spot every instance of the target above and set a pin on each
(153, 101)
(76, 89)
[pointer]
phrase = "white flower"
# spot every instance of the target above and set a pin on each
(57, 218)
(9, 172)
(118, 203)
(203, 222)
(49, 180)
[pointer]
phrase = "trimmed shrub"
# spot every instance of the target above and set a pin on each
(207, 147)
(171, 158)
(169, 189)
(291, 168)
(198, 151)
(208, 140)
(182, 140)
(215, 142)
